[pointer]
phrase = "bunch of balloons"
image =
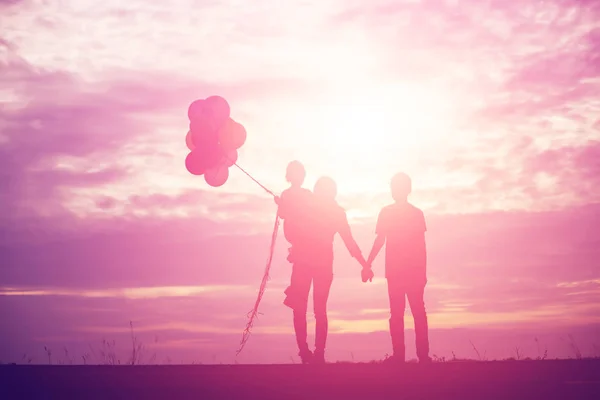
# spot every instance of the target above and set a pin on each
(213, 139)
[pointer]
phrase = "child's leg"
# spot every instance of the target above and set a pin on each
(417, 307)
(297, 292)
(297, 299)
(397, 297)
(321, 286)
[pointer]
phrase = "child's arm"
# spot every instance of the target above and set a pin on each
(351, 245)
(346, 235)
(377, 245)
(281, 205)
(380, 231)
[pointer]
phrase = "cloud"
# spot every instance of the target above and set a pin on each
(6, 3)
(66, 140)
(486, 64)
(129, 293)
(574, 169)
(208, 329)
(473, 259)
(53, 120)
(521, 79)
(134, 252)
(235, 204)
(503, 269)
(526, 176)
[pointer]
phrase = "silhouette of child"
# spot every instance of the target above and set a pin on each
(313, 265)
(293, 204)
(401, 227)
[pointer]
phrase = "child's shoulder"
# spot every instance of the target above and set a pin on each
(303, 191)
(295, 193)
(389, 208)
(296, 189)
(402, 208)
(415, 208)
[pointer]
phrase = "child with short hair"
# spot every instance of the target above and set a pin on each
(293, 203)
(401, 227)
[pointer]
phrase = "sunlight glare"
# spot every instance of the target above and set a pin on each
(379, 128)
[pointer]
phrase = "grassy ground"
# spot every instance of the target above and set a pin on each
(548, 379)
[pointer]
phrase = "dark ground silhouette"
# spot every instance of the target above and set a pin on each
(549, 379)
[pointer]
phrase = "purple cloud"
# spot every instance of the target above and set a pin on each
(56, 118)
(6, 3)
(576, 169)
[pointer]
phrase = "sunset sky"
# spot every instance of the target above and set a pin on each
(492, 107)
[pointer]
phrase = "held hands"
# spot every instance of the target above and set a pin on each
(367, 273)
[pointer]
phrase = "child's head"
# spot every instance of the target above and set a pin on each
(325, 188)
(295, 173)
(401, 186)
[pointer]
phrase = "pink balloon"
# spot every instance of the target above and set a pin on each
(202, 158)
(218, 108)
(232, 135)
(188, 141)
(196, 109)
(195, 164)
(230, 157)
(202, 131)
(217, 176)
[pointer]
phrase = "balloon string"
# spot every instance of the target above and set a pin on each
(251, 177)
(254, 312)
